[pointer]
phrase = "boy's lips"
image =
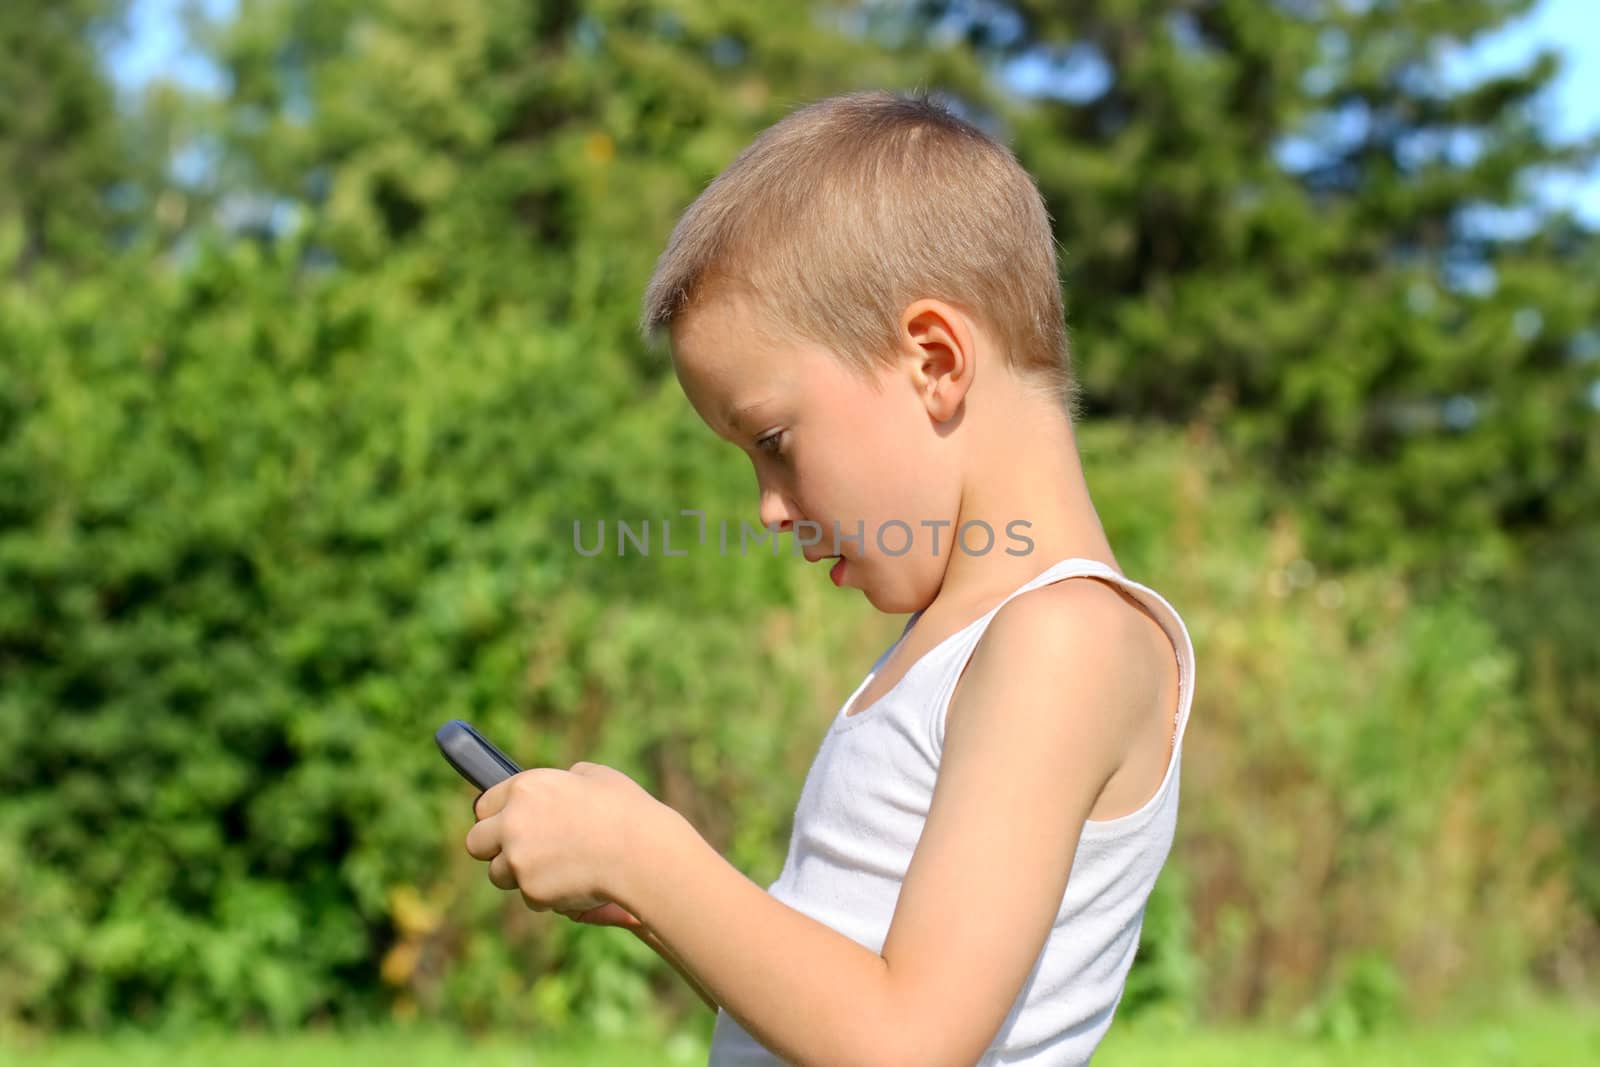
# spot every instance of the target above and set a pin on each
(836, 573)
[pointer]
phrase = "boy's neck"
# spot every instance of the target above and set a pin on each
(1024, 465)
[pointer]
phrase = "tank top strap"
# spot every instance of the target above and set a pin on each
(959, 645)
(1072, 567)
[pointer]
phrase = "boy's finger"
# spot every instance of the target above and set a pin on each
(483, 840)
(494, 798)
(501, 876)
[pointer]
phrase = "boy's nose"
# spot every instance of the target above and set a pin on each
(775, 510)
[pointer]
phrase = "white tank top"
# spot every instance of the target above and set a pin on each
(861, 813)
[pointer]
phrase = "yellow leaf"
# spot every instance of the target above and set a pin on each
(598, 148)
(399, 963)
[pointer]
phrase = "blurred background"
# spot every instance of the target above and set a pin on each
(317, 335)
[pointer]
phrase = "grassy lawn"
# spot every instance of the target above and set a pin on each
(384, 1048)
(1541, 1035)
(1546, 1034)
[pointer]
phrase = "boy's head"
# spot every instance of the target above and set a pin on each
(846, 277)
(845, 211)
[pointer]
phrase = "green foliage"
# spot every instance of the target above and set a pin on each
(275, 500)
(264, 544)
(1164, 983)
(1290, 221)
(60, 145)
(1363, 999)
(1359, 779)
(557, 142)
(262, 533)
(1547, 615)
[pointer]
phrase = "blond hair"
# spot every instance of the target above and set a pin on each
(839, 215)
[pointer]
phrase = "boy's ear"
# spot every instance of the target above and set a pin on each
(940, 349)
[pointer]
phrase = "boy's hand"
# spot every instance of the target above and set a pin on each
(561, 837)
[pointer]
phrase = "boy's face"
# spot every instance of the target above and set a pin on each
(830, 448)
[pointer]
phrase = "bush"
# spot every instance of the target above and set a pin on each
(262, 530)
(1361, 793)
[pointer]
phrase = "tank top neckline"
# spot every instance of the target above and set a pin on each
(846, 719)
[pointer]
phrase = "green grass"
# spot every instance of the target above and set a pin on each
(383, 1048)
(1546, 1034)
(1543, 1034)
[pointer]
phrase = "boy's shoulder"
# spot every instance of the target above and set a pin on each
(1071, 676)
(1078, 607)
(1080, 629)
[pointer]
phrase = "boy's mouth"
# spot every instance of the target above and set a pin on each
(836, 574)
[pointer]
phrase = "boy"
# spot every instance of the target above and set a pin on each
(866, 302)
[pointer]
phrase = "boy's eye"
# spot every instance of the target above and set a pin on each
(772, 442)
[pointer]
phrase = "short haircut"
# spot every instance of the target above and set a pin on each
(842, 213)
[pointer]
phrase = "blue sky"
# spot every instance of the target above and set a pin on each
(154, 46)
(1573, 27)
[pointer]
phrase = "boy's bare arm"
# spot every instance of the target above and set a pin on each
(643, 933)
(807, 992)
(1031, 739)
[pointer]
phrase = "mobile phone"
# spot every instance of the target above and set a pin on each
(471, 754)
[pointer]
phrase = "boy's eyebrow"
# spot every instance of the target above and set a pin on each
(733, 413)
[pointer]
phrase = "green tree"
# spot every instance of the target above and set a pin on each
(528, 152)
(1294, 224)
(275, 501)
(61, 149)
(281, 503)
(1290, 221)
